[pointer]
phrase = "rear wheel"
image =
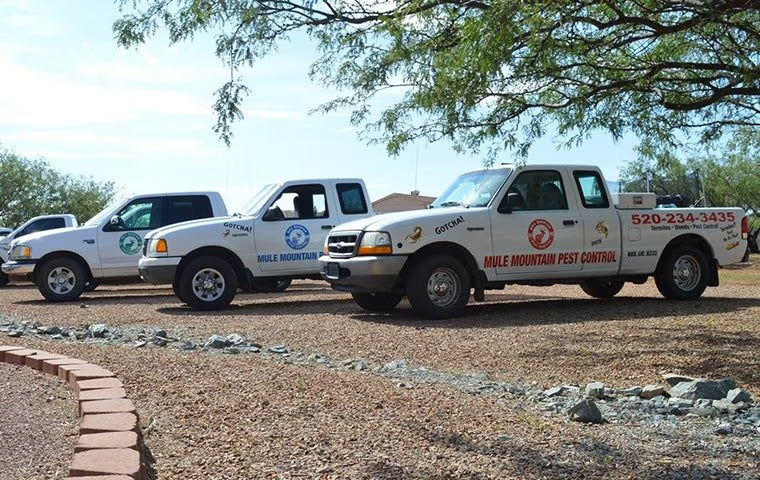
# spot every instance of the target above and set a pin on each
(61, 279)
(602, 288)
(207, 283)
(438, 287)
(271, 286)
(378, 301)
(682, 274)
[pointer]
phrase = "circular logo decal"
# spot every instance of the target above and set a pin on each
(297, 236)
(540, 234)
(130, 243)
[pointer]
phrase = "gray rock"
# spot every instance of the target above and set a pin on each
(737, 395)
(722, 406)
(216, 341)
(15, 333)
(236, 339)
(49, 330)
(651, 391)
(724, 429)
(630, 391)
(585, 411)
(187, 345)
(712, 389)
(681, 403)
(279, 349)
(98, 330)
(674, 379)
(140, 343)
(595, 389)
(160, 341)
(160, 332)
(551, 392)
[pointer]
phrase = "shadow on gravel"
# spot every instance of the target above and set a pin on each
(299, 307)
(554, 311)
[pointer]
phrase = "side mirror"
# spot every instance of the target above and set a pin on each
(115, 221)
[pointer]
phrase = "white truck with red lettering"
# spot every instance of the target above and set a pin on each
(536, 225)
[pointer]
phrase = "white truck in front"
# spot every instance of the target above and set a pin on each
(536, 225)
(68, 261)
(278, 238)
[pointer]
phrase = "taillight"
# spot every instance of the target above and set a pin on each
(745, 228)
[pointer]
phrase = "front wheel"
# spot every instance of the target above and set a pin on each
(377, 301)
(4, 279)
(438, 287)
(602, 288)
(682, 274)
(207, 283)
(61, 280)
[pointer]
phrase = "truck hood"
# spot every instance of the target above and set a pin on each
(65, 235)
(233, 222)
(389, 221)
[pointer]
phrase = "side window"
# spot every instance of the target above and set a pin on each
(181, 209)
(535, 190)
(141, 214)
(42, 225)
(351, 197)
(593, 194)
(299, 202)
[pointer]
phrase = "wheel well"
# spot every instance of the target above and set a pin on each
(228, 255)
(448, 248)
(701, 244)
(63, 254)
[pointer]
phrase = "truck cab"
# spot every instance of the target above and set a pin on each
(107, 247)
(277, 238)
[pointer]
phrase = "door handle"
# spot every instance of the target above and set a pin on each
(569, 223)
(327, 227)
(475, 229)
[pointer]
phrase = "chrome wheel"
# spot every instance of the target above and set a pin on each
(208, 284)
(687, 273)
(443, 287)
(61, 280)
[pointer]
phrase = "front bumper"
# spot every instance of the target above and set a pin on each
(158, 270)
(362, 274)
(18, 267)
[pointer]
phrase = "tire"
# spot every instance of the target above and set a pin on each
(4, 279)
(682, 274)
(438, 287)
(602, 288)
(90, 286)
(61, 279)
(207, 283)
(378, 301)
(175, 289)
(271, 286)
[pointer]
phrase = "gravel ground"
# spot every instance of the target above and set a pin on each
(268, 415)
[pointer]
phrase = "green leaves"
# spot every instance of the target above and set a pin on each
(491, 75)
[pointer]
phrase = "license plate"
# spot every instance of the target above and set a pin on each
(332, 270)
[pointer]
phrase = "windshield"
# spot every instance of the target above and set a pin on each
(95, 221)
(254, 205)
(473, 189)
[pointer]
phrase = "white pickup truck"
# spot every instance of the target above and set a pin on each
(34, 224)
(65, 262)
(278, 238)
(537, 225)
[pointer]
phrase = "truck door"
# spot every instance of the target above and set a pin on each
(534, 228)
(120, 238)
(291, 233)
(601, 226)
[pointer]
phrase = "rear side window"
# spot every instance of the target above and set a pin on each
(182, 209)
(351, 197)
(593, 194)
(41, 225)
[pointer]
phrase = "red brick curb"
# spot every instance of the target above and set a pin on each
(110, 442)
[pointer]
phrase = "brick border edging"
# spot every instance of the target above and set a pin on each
(110, 443)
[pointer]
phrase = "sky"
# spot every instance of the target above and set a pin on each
(142, 118)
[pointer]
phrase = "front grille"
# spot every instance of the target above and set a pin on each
(342, 244)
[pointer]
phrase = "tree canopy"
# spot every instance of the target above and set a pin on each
(31, 187)
(494, 74)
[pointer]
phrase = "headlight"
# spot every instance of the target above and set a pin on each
(376, 243)
(158, 248)
(20, 252)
